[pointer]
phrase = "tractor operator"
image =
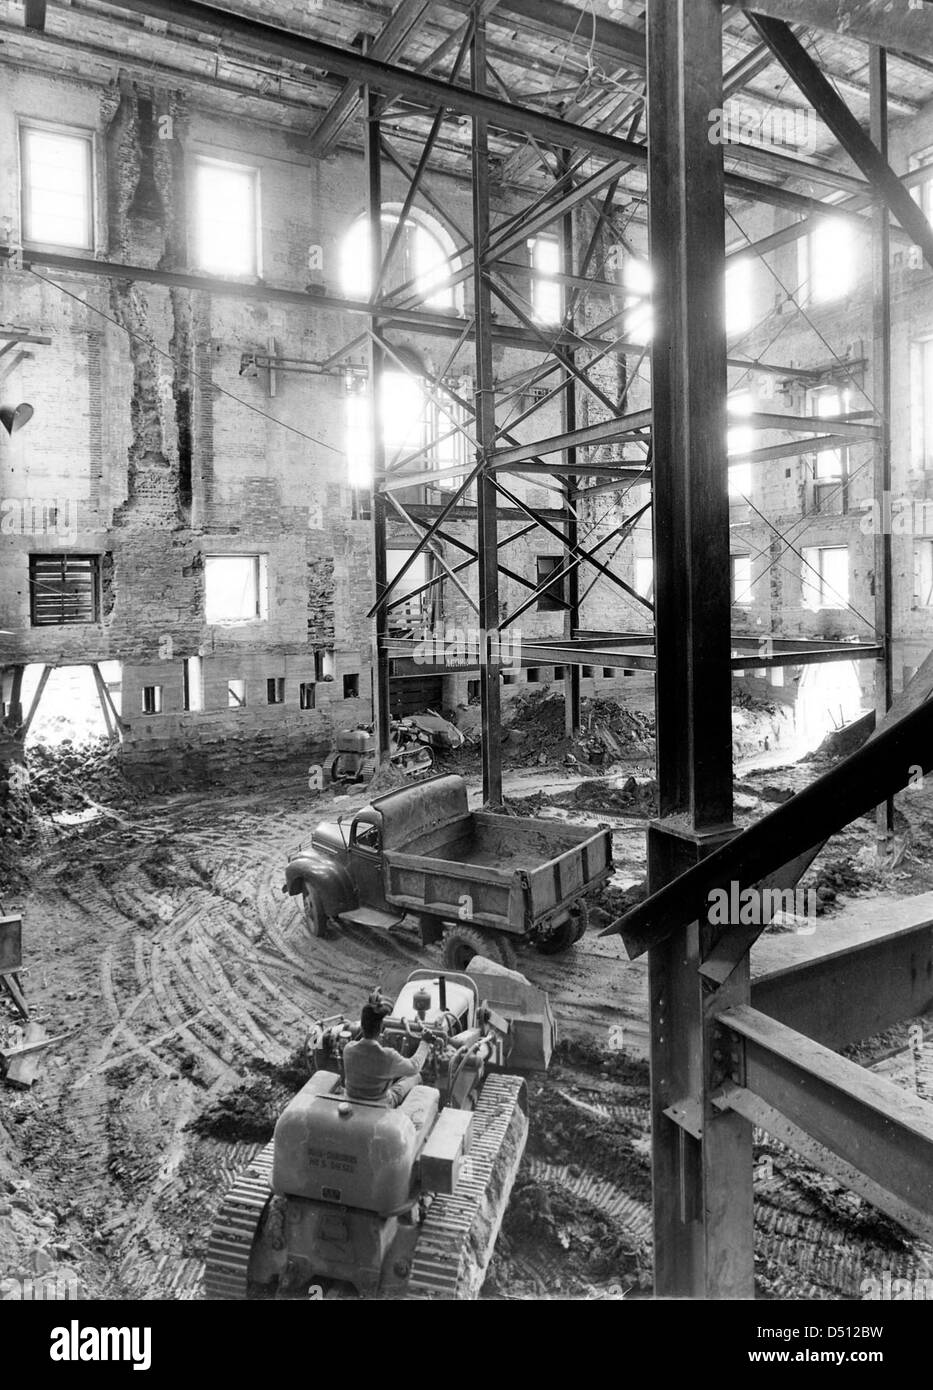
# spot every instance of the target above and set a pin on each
(374, 1072)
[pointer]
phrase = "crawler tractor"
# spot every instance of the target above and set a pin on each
(401, 1202)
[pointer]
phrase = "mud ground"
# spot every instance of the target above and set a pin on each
(160, 934)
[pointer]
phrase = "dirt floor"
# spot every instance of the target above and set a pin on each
(155, 928)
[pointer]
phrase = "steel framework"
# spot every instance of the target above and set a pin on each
(720, 1063)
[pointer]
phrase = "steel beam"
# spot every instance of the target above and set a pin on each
(870, 986)
(485, 414)
(376, 355)
(276, 41)
(385, 45)
(701, 1169)
(904, 26)
(875, 1131)
(881, 394)
(617, 427)
(850, 789)
(797, 62)
(572, 692)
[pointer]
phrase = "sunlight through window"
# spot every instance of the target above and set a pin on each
(226, 213)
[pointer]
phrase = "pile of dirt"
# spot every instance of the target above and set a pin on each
(629, 798)
(248, 1112)
(535, 732)
(839, 879)
(758, 726)
(612, 902)
(841, 742)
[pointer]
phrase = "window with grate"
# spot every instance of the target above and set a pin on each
(64, 589)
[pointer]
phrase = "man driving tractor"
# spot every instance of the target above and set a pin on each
(374, 1072)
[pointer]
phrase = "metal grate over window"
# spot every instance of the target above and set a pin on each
(64, 589)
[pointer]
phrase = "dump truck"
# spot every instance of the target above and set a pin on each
(399, 1200)
(481, 882)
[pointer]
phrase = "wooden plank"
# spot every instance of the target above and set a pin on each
(11, 943)
(21, 1071)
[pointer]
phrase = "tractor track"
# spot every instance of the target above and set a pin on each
(189, 977)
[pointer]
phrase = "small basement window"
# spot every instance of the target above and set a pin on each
(558, 673)
(473, 692)
(323, 664)
(236, 694)
(551, 598)
(306, 695)
(152, 699)
(351, 687)
(275, 690)
(194, 683)
(64, 589)
(533, 674)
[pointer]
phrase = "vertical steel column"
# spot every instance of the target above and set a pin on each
(380, 664)
(572, 711)
(702, 1168)
(881, 394)
(486, 523)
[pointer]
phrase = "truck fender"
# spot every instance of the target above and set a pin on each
(330, 881)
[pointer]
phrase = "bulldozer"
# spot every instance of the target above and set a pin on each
(369, 1200)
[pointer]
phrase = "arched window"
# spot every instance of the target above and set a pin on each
(423, 258)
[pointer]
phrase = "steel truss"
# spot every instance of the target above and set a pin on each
(719, 1063)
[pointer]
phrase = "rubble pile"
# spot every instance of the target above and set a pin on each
(53, 788)
(535, 732)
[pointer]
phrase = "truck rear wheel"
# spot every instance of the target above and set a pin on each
(566, 934)
(462, 943)
(312, 911)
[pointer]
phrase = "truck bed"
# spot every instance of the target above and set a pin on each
(515, 870)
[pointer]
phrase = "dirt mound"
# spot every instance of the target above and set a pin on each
(839, 878)
(630, 798)
(535, 731)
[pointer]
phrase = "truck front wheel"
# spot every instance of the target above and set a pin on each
(462, 943)
(312, 911)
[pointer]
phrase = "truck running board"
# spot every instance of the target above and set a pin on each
(370, 917)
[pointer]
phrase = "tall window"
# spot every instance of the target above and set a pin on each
(739, 284)
(546, 298)
(226, 210)
(64, 589)
(415, 425)
(740, 440)
(235, 588)
(827, 261)
(923, 572)
(921, 403)
(825, 576)
(57, 189)
(922, 193)
(638, 280)
(644, 576)
(424, 256)
(741, 579)
(830, 466)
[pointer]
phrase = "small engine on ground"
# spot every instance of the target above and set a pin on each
(400, 1200)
